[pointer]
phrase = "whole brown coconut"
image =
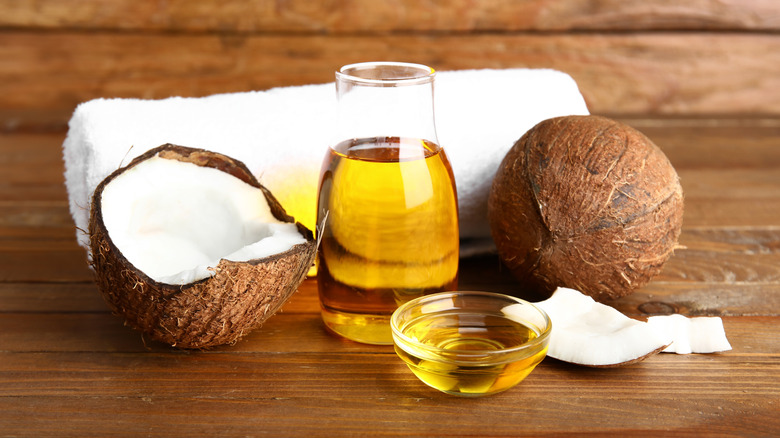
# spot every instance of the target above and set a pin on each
(587, 203)
(214, 311)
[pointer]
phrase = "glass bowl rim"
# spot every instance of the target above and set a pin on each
(542, 338)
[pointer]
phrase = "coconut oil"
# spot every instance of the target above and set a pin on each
(463, 364)
(390, 234)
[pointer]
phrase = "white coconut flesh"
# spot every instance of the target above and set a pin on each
(589, 333)
(691, 335)
(175, 220)
(586, 332)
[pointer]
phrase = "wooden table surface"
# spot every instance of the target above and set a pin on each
(68, 367)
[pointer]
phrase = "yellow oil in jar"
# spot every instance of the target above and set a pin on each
(464, 362)
(391, 232)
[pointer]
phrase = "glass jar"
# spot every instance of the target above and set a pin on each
(387, 204)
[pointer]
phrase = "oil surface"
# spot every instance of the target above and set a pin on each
(460, 367)
(391, 232)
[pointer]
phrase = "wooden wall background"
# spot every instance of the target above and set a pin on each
(699, 77)
(631, 58)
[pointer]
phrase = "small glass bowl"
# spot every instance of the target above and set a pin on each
(470, 343)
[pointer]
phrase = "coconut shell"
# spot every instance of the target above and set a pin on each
(218, 310)
(587, 203)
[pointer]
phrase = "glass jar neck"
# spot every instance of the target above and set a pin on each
(385, 99)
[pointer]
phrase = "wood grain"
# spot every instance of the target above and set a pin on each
(629, 57)
(70, 367)
(714, 143)
(410, 416)
(659, 73)
(700, 78)
(87, 325)
(296, 393)
(367, 16)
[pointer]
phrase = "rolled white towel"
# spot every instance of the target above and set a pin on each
(282, 134)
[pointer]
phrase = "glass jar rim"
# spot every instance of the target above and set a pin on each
(405, 73)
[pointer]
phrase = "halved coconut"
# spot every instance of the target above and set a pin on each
(191, 249)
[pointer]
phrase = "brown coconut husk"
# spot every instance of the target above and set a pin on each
(588, 203)
(218, 310)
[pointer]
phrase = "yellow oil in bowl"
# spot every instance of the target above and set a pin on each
(467, 344)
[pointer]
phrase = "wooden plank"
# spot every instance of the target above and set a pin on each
(31, 169)
(19, 192)
(31, 149)
(24, 217)
(413, 415)
(14, 120)
(43, 262)
(726, 256)
(125, 373)
(732, 213)
(367, 16)
(35, 174)
(48, 231)
(304, 393)
(73, 317)
(84, 297)
(658, 73)
(692, 143)
(701, 299)
(103, 332)
(727, 184)
(731, 197)
(657, 297)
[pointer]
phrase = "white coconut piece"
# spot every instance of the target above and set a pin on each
(691, 335)
(586, 332)
(174, 220)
